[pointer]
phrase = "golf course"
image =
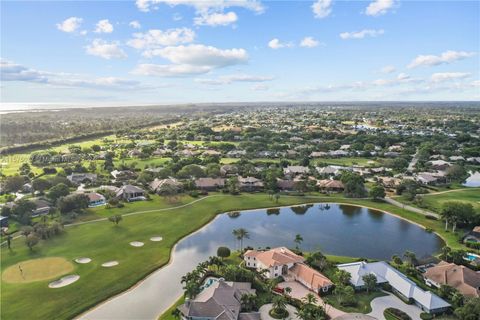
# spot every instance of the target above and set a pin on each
(29, 296)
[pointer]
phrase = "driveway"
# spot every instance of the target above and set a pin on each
(299, 291)
(267, 307)
(380, 304)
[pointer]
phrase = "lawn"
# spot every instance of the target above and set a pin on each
(344, 161)
(434, 202)
(363, 300)
(103, 241)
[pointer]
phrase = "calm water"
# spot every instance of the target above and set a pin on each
(334, 229)
(473, 179)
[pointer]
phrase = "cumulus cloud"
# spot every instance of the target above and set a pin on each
(361, 34)
(70, 25)
(447, 76)
(322, 8)
(11, 71)
(444, 58)
(228, 79)
(379, 7)
(402, 78)
(204, 6)
(277, 44)
(157, 38)
(191, 60)
(309, 42)
(216, 19)
(103, 26)
(135, 24)
(388, 69)
(104, 49)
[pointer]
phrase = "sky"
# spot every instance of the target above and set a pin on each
(178, 51)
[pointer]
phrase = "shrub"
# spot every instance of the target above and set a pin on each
(430, 217)
(223, 252)
(397, 314)
(194, 194)
(426, 316)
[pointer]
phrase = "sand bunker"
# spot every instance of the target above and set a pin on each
(136, 244)
(83, 260)
(156, 239)
(110, 264)
(64, 281)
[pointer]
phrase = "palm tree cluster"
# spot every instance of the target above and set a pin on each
(310, 310)
(239, 235)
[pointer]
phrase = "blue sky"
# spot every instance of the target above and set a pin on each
(169, 51)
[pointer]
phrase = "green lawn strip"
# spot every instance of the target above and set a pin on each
(345, 161)
(434, 202)
(362, 299)
(167, 315)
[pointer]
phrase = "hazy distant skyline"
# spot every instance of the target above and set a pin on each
(177, 51)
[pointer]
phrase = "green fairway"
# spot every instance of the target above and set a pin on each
(346, 161)
(103, 241)
(435, 202)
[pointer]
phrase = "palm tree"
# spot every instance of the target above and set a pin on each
(248, 301)
(288, 290)
(279, 305)
(446, 252)
(241, 234)
(298, 240)
(310, 299)
(410, 256)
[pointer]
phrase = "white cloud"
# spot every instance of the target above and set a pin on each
(447, 76)
(444, 58)
(135, 24)
(277, 44)
(104, 49)
(361, 34)
(388, 69)
(322, 8)
(402, 78)
(475, 83)
(103, 26)
(215, 19)
(191, 59)
(204, 6)
(70, 25)
(157, 38)
(228, 79)
(309, 42)
(11, 71)
(379, 7)
(260, 87)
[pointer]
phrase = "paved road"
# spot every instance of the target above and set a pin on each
(410, 208)
(380, 304)
(411, 165)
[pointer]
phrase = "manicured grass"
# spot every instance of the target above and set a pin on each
(167, 315)
(344, 161)
(363, 300)
(142, 163)
(468, 195)
(103, 241)
(37, 270)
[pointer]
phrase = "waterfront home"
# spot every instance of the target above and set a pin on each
(95, 199)
(465, 280)
(473, 235)
(286, 185)
(250, 184)
(209, 184)
(401, 285)
(283, 262)
(77, 178)
(131, 193)
(221, 300)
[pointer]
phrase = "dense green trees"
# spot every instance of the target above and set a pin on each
(456, 212)
(377, 192)
(353, 184)
(58, 191)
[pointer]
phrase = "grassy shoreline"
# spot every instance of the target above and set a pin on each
(100, 241)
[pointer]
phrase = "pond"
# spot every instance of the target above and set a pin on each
(332, 228)
(473, 179)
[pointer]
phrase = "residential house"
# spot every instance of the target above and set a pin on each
(41, 207)
(404, 287)
(236, 153)
(330, 185)
(292, 171)
(209, 184)
(211, 153)
(331, 170)
(220, 301)
(473, 235)
(318, 154)
(465, 280)
(250, 184)
(123, 175)
(160, 185)
(131, 193)
(286, 185)
(439, 164)
(78, 178)
(283, 262)
(228, 170)
(338, 153)
(3, 222)
(456, 158)
(95, 199)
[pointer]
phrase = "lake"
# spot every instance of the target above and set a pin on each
(473, 179)
(332, 228)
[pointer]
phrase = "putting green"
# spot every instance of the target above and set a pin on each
(37, 270)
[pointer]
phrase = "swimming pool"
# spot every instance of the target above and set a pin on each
(471, 256)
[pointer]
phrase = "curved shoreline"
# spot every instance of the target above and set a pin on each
(317, 200)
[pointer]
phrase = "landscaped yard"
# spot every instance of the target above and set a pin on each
(362, 299)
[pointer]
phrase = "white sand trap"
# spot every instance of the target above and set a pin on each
(83, 260)
(110, 264)
(156, 239)
(136, 244)
(64, 281)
